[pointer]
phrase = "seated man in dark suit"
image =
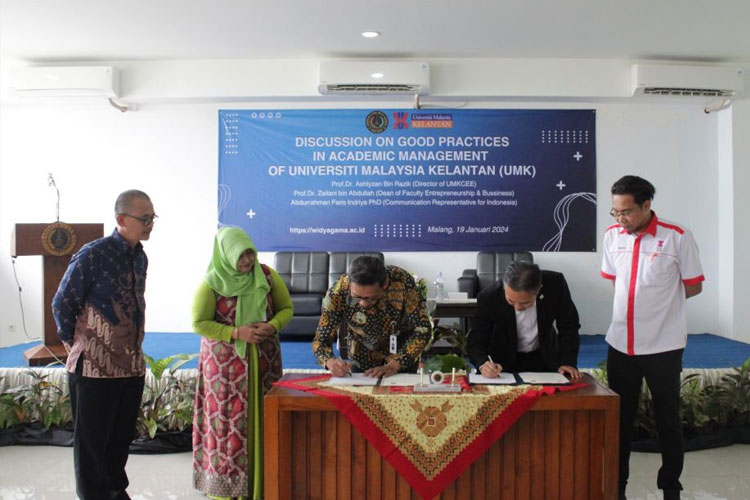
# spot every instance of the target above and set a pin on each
(528, 322)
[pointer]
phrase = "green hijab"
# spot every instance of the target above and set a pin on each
(250, 288)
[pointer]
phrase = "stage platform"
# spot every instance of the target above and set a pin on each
(704, 351)
(709, 356)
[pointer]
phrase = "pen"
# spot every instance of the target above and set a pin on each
(346, 367)
(491, 360)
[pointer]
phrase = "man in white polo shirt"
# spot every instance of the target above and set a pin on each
(654, 266)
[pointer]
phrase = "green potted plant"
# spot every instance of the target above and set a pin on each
(734, 395)
(158, 412)
(445, 363)
(35, 413)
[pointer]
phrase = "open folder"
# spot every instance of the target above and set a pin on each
(505, 378)
(543, 378)
(353, 379)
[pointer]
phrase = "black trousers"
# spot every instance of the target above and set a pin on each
(662, 373)
(105, 411)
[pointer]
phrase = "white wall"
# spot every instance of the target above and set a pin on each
(169, 149)
(740, 314)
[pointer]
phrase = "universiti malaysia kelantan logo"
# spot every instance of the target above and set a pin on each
(400, 120)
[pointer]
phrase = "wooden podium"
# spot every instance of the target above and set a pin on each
(56, 243)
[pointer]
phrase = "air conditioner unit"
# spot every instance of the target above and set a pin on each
(686, 80)
(374, 77)
(64, 81)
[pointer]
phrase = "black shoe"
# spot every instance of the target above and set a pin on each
(621, 495)
(671, 494)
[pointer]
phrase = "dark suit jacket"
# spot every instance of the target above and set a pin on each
(494, 332)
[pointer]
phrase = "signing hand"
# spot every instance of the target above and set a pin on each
(388, 369)
(490, 369)
(338, 367)
(570, 371)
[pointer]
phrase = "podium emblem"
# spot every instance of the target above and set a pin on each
(59, 239)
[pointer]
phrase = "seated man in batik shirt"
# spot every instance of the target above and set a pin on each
(387, 325)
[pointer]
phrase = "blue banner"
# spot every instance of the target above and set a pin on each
(410, 180)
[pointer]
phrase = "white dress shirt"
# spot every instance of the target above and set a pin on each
(528, 331)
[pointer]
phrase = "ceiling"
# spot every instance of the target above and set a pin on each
(98, 30)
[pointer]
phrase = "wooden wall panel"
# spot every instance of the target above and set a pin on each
(494, 470)
(300, 433)
(581, 457)
(374, 473)
(479, 478)
(552, 456)
(344, 457)
(359, 465)
(330, 464)
(315, 452)
(463, 485)
(523, 457)
(538, 444)
(596, 454)
(509, 450)
(389, 480)
(567, 467)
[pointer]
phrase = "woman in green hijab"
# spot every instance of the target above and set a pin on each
(239, 309)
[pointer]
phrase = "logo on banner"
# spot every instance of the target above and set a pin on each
(401, 120)
(431, 120)
(377, 122)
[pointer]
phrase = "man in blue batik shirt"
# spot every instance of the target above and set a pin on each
(99, 309)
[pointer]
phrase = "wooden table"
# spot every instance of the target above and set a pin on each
(565, 447)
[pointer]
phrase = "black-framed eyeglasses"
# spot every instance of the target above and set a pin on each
(354, 300)
(146, 220)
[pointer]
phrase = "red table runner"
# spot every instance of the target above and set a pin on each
(430, 439)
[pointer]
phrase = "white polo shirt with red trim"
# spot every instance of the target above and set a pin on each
(650, 272)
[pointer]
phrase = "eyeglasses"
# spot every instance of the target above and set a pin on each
(146, 220)
(621, 213)
(354, 300)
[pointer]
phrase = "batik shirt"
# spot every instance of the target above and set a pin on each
(99, 308)
(401, 312)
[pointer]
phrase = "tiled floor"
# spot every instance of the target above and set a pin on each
(46, 473)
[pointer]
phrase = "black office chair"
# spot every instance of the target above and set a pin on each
(490, 269)
(306, 276)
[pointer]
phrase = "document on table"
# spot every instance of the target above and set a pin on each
(353, 379)
(503, 378)
(543, 378)
(404, 379)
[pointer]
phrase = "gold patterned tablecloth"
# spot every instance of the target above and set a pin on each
(430, 439)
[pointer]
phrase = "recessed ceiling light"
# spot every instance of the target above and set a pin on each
(370, 34)
(377, 75)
